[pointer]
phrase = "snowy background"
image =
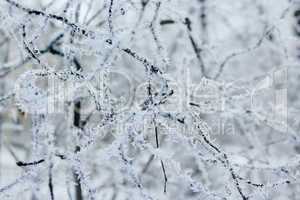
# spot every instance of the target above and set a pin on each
(149, 99)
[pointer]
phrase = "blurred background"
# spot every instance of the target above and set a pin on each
(149, 99)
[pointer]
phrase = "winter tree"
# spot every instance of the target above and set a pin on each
(149, 99)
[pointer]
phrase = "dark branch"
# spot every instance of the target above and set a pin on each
(23, 164)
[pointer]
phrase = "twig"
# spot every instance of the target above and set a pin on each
(23, 164)
(110, 22)
(196, 49)
(50, 184)
(161, 161)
